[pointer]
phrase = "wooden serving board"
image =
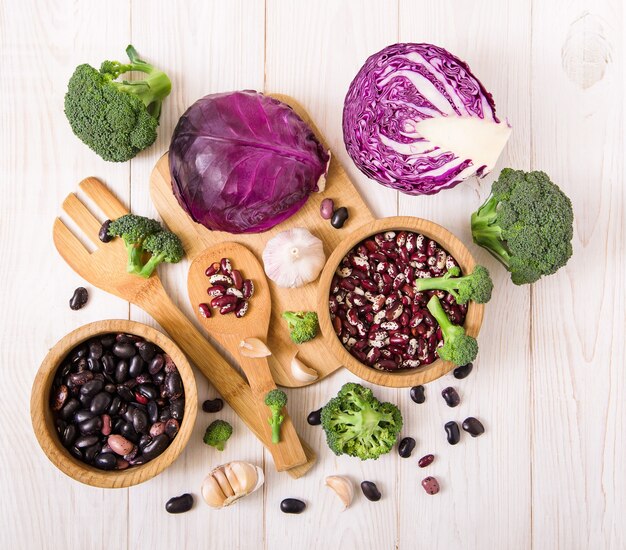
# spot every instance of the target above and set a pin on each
(315, 353)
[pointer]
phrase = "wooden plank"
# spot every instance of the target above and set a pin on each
(579, 313)
(485, 483)
(40, 162)
(313, 51)
(204, 47)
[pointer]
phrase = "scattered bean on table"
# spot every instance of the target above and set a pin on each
(463, 371)
(452, 432)
(114, 404)
(179, 505)
(406, 446)
(418, 394)
(103, 234)
(473, 426)
(426, 460)
(370, 491)
(339, 217)
(431, 485)
(327, 208)
(212, 405)
(292, 506)
(79, 298)
(450, 396)
(315, 417)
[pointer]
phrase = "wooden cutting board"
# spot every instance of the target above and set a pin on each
(315, 353)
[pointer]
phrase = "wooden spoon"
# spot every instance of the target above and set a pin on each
(229, 331)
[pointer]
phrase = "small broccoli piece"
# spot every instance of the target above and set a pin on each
(458, 347)
(218, 433)
(358, 424)
(164, 246)
(476, 286)
(134, 230)
(116, 119)
(276, 400)
(527, 224)
(303, 325)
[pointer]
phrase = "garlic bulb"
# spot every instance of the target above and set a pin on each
(301, 372)
(293, 258)
(229, 482)
(343, 487)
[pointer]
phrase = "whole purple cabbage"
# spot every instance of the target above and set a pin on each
(242, 162)
(387, 103)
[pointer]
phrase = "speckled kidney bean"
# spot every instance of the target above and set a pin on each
(426, 460)
(473, 426)
(453, 435)
(450, 396)
(370, 491)
(431, 485)
(90, 410)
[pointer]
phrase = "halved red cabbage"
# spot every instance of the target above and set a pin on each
(416, 119)
(242, 162)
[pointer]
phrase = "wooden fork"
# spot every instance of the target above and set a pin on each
(105, 268)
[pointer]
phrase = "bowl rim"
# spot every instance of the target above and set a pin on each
(408, 377)
(42, 417)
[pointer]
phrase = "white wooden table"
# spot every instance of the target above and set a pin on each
(550, 380)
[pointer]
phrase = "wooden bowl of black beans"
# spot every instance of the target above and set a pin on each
(113, 403)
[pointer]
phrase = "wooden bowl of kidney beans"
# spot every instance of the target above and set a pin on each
(113, 403)
(369, 312)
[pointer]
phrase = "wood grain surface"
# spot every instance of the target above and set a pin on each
(549, 383)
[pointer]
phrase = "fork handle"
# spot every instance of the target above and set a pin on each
(226, 380)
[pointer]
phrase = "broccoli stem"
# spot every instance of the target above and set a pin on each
(134, 253)
(437, 311)
(439, 283)
(275, 422)
(151, 264)
(487, 234)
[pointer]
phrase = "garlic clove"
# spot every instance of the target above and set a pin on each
(343, 488)
(230, 482)
(301, 372)
(253, 347)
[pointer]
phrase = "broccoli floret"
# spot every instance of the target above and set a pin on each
(164, 246)
(276, 401)
(303, 325)
(476, 286)
(359, 425)
(527, 224)
(458, 347)
(116, 119)
(218, 433)
(134, 230)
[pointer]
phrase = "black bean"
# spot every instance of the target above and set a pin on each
(144, 441)
(153, 411)
(69, 435)
(212, 405)
(156, 364)
(95, 349)
(85, 400)
(159, 377)
(80, 378)
(292, 506)
(140, 421)
(79, 298)
(70, 407)
(108, 340)
(315, 417)
(452, 432)
(92, 387)
(450, 396)
(85, 441)
(339, 217)
(156, 447)
(83, 415)
(146, 350)
(178, 505)
(121, 371)
(103, 234)
(100, 402)
(148, 391)
(115, 405)
(94, 365)
(463, 371)
(124, 350)
(91, 452)
(110, 388)
(105, 461)
(76, 452)
(126, 429)
(108, 364)
(473, 426)
(406, 446)
(173, 385)
(177, 408)
(165, 414)
(136, 366)
(417, 394)
(129, 413)
(90, 426)
(370, 490)
(171, 427)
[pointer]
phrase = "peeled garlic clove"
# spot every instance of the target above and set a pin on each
(301, 372)
(253, 347)
(343, 487)
(230, 482)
